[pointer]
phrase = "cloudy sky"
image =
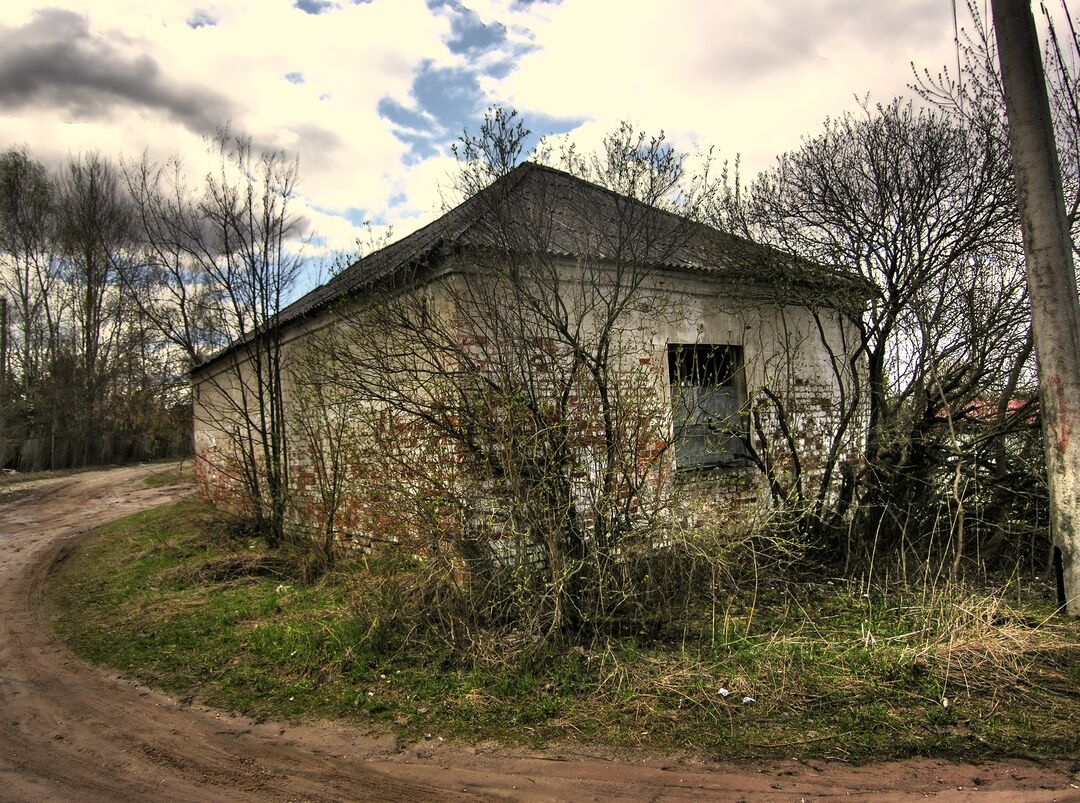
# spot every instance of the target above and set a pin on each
(371, 93)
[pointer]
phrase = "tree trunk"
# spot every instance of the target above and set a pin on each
(1051, 279)
(4, 341)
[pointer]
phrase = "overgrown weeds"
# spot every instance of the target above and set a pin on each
(834, 668)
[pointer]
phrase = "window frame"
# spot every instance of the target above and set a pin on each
(705, 361)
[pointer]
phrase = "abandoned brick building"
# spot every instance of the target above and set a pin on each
(745, 357)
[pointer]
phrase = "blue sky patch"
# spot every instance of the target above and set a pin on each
(469, 35)
(421, 147)
(543, 125)
(201, 19)
(401, 116)
(294, 77)
(356, 216)
(445, 101)
(450, 95)
(313, 6)
(500, 69)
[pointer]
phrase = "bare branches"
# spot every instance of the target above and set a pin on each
(922, 205)
(519, 429)
(239, 237)
(91, 380)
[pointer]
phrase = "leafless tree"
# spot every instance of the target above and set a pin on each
(519, 439)
(27, 229)
(973, 93)
(90, 381)
(1051, 277)
(326, 447)
(239, 232)
(169, 277)
(94, 231)
(924, 209)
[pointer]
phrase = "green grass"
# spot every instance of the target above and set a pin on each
(169, 597)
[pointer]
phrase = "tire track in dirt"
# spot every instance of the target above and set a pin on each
(71, 731)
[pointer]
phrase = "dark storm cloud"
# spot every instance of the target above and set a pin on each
(55, 61)
(317, 141)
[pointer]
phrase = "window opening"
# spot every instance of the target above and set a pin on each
(707, 395)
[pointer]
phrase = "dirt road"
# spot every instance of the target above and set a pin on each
(69, 731)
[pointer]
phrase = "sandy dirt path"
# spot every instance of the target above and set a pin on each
(69, 731)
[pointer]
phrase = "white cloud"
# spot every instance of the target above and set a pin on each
(349, 58)
(747, 76)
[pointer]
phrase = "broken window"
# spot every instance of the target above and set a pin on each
(707, 395)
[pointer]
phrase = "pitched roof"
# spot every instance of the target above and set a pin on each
(540, 209)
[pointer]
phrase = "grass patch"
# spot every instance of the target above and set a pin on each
(170, 597)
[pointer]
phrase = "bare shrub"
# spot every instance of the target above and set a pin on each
(516, 439)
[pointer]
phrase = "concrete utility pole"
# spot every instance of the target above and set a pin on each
(1051, 279)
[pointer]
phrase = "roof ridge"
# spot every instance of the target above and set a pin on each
(518, 173)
